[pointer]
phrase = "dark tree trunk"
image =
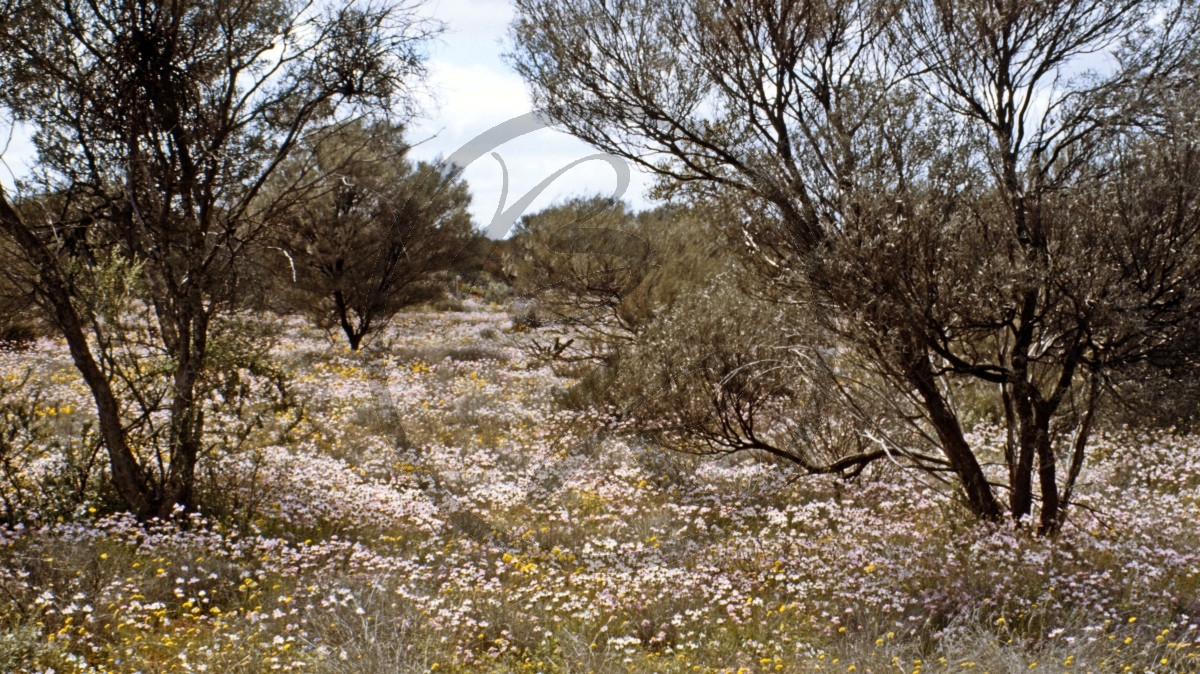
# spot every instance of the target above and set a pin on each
(1021, 494)
(1048, 519)
(187, 414)
(353, 335)
(974, 483)
(1023, 400)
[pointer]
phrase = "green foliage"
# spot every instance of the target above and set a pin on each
(651, 314)
(716, 374)
(594, 275)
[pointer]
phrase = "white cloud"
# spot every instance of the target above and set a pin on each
(471, 97)
(474, 91)
(468, 20)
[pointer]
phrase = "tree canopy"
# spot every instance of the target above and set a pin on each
(1001, 193)
(157, 125)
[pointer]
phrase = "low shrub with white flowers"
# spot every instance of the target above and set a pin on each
(414, 511)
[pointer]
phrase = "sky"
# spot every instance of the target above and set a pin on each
(474, 90)
(471, 90)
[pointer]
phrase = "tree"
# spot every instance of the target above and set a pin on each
(936, 178)
(578, 262)
(157, 124)
(598, 276)
(380, 229)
